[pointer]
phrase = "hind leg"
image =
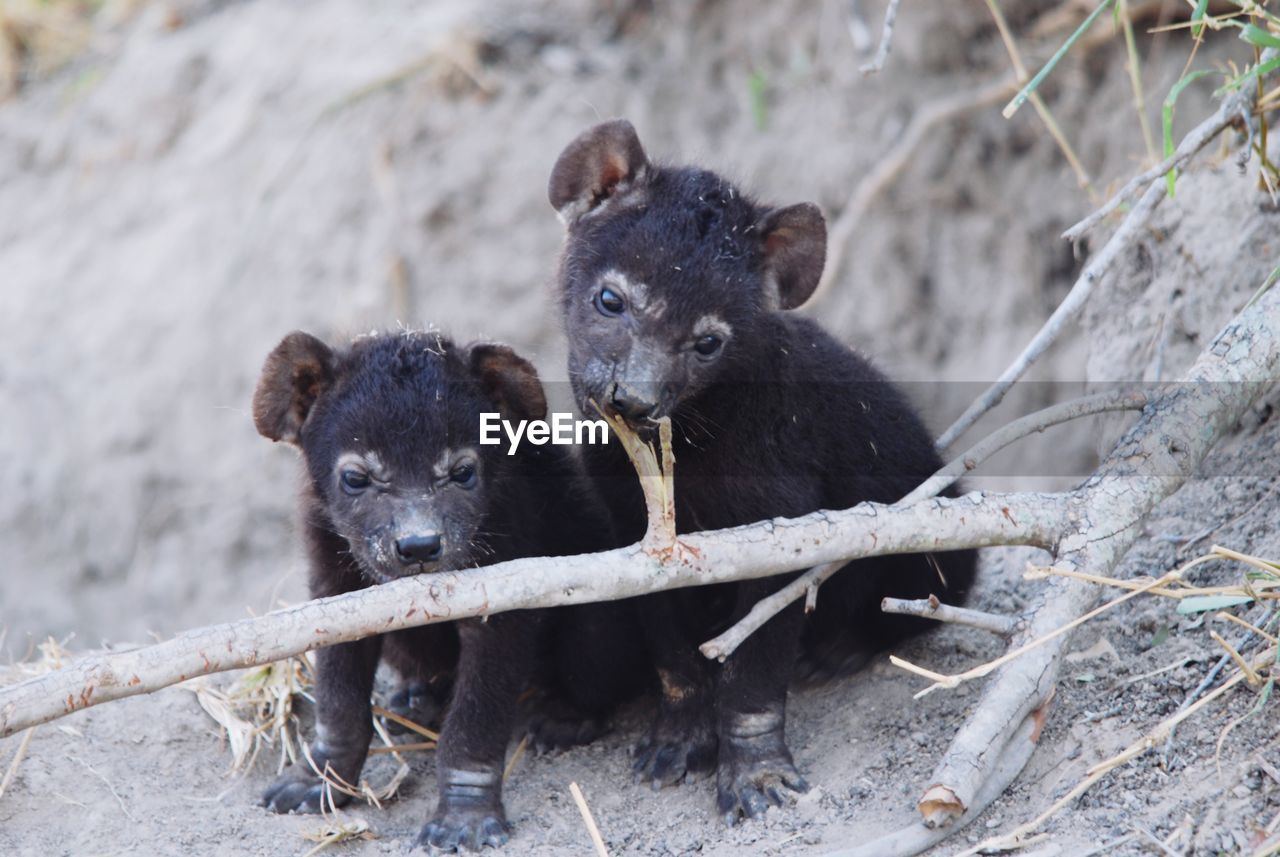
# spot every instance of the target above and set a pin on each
(425, 659)
(682, 742)
(597, 662)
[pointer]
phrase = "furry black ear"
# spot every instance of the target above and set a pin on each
(794, 240)
(295, 374)
(603, 162)
(508, 380)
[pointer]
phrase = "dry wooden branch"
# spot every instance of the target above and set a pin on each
(1053, 415)
(932, 608)
(656, 473)
(738, 553)
(886, 39)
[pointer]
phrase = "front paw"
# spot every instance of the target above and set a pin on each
(756, 770)
(458, 829)
(681, 746)
(300, 789)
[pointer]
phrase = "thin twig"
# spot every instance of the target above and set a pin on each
(115, 794)
(1086, 406)
(515, 758)
(596, 839)
(952, 681)
(411, 725)
(17, 760)
(1042, 109)
(1135, 79)
(932, 608)
(1249, 626)
(1031, 86)
(403, 748)
(1064, 314)
(886, 39)
(1250, 675)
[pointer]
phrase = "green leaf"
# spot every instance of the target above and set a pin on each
(1255, 35)
(1167, 117)
(1034, 83)
(1161, 634)
(1201, 603)
(1197, 18)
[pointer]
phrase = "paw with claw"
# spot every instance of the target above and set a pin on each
(469, 816)
(681, 746)
(465, 829)
(756, 770)
(301, 789)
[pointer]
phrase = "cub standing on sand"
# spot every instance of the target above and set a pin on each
(673, 286)
(399, 484)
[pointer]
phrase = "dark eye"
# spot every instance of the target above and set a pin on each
(354, 481)
(708, 345)
(610, 302)
(464, 474)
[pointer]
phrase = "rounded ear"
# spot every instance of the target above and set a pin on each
(295, 374)
(603, 162)
(508, 380)
(794, 240)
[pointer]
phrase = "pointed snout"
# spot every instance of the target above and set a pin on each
(412, 550)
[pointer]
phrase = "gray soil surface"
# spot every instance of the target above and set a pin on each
(211, 175)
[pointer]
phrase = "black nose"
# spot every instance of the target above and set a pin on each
(630, 406)
(413, 549)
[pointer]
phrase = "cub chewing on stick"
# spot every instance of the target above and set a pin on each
(674, 288)
(398, 484)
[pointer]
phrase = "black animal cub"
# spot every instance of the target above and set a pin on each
(399, 484)
(674, 287)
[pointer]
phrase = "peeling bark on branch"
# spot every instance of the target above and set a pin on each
(738, 553)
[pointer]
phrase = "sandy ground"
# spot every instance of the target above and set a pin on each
(212, 175)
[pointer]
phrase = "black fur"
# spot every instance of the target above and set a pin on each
(778, 419)
(402, 411)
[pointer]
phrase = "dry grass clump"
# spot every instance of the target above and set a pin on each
(257, 710)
